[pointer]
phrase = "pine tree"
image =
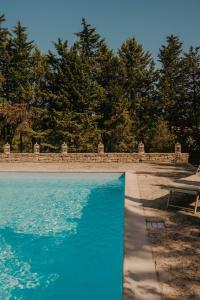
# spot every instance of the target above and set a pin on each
(87, 48)
(4, 62)
(138, 80)
(4, 59)
(188, 113)
(117, 125)
(74, 98)
(115, 121)
(88, 40)
(37, 113)
(21, 65)
(85, 93)
(171, 78)
(10, 114)
(17, 85)
(162, 140)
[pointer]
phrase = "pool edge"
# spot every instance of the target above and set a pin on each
(139, 276)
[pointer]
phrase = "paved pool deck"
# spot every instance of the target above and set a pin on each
(140, 280)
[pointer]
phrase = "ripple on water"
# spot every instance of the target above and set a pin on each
(15, 273)
(42, 212)
(39, 212)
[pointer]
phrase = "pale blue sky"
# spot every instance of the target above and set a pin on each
(116, 20)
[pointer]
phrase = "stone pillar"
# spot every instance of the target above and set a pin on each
(141, 148)
(100, 148)
(36, 148)
(6, 148)
(64, 148)
(177, 148)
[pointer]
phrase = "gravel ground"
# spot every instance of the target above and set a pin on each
(176, 247)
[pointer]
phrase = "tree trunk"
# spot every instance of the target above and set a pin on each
(21, 142)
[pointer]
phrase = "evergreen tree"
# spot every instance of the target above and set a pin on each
(115, 121)
(17, 85)
(162, 140)
(10, 114)
(171, 79)
(85, 93)
(74, 97)
(4, 62)
(138, 80)
(117, 125)
(188, 113)
(37, 114)
(4, 59)
(88, 40)
(21, 65)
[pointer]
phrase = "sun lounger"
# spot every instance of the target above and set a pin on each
(188, 185)
(186, 189)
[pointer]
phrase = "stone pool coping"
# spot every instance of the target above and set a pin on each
(139, 278)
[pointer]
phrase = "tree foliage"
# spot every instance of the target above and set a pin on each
(86, 93)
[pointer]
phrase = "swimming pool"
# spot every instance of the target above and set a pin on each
(61, 236)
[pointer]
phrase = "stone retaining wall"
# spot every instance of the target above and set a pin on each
(95, 157)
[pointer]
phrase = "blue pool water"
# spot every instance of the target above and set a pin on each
(61, 236)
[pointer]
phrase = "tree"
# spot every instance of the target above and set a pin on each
(138, 80)
(86, 93)
(115, 122)
(4, 62)
(189, 110)
(21, 65)
(73, 98)
(171, 78)
(162, 140)
(88, 40)
(4, 59)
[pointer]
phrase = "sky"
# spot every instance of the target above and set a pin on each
(149, 21)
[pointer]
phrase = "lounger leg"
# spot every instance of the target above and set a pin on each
(196, 204)
(169, 198)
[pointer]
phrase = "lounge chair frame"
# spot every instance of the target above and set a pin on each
(185, 191)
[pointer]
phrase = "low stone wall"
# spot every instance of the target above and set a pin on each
(95, 157)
